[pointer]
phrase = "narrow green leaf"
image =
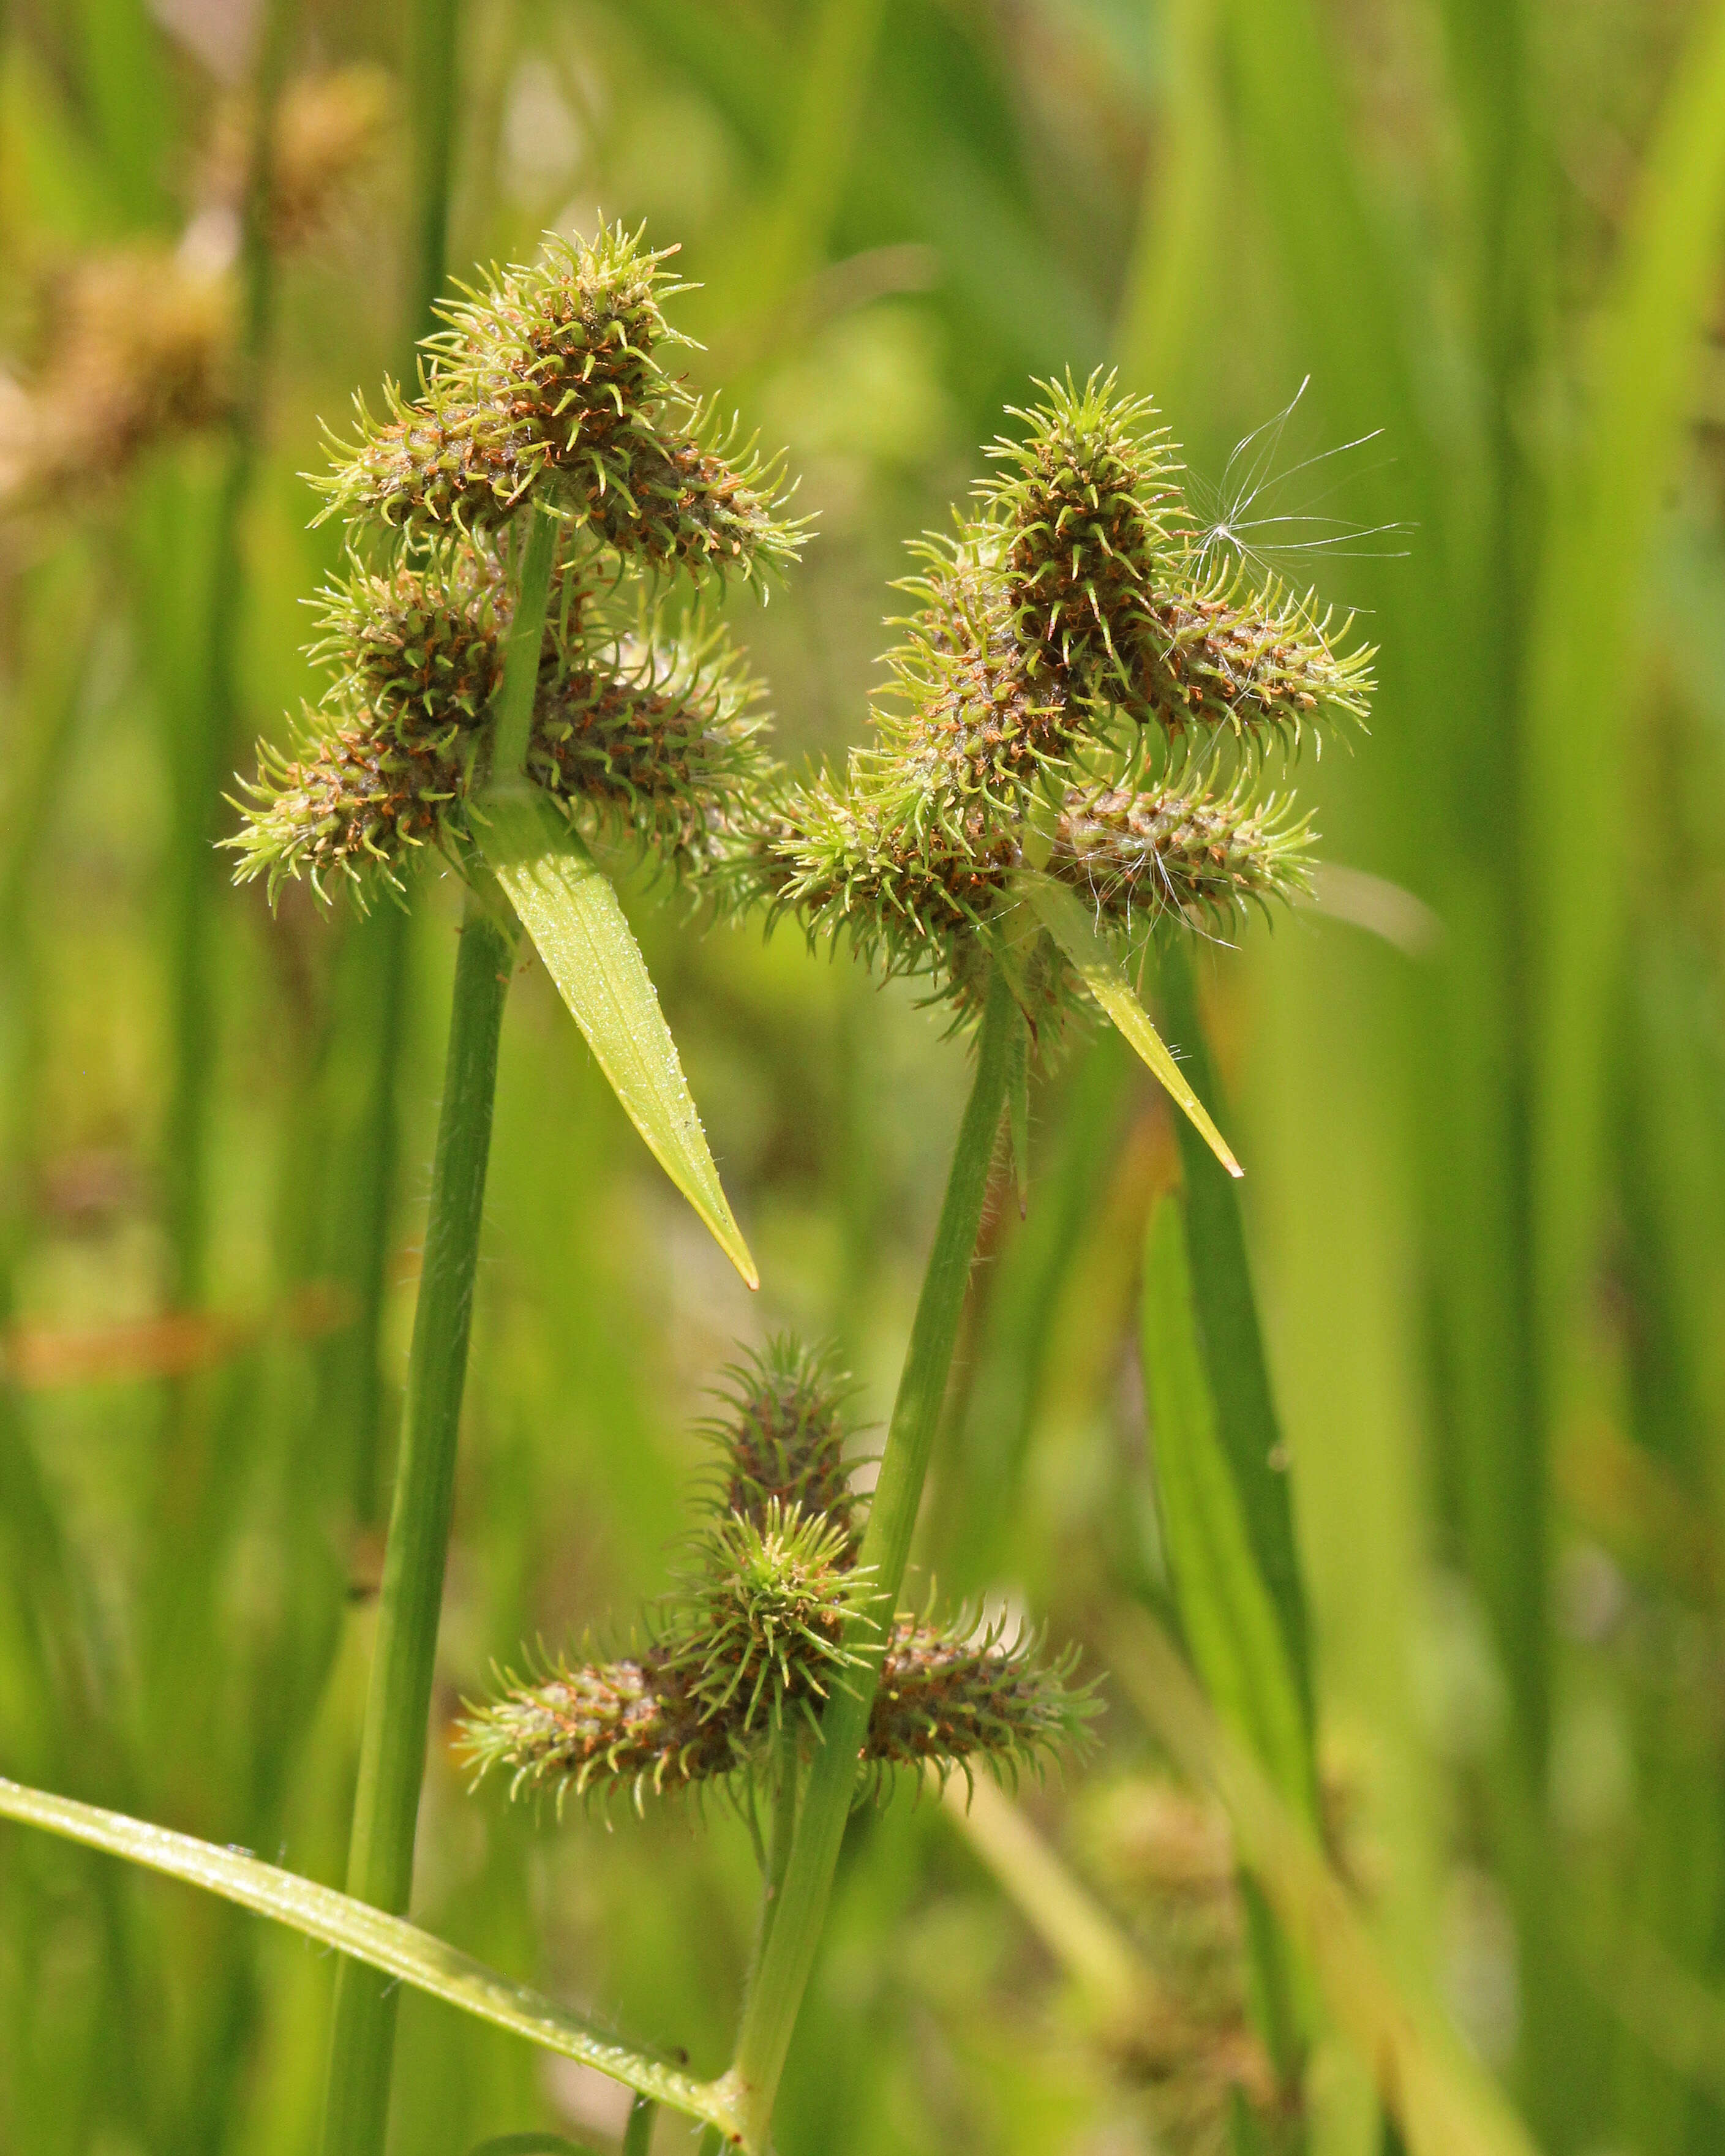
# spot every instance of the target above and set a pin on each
(568, 905)
(1229, 1333)
(386, 1943)
(1226, 1612)
(1063, 915)
(1584, 692)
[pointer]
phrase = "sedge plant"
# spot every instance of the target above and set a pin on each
(1071, 758)
(510, 690)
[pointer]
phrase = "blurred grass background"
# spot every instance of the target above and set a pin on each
(1480, 1092)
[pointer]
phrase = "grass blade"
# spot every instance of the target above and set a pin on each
(568, 905)
(1229, 1336)
(1063, 915)
(1226, 1611)
(386, 1943)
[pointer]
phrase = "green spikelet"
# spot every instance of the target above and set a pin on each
(632, 1724)
(550, 381)
(645, 733)
(949, 1696)
(782, 1438)
(759, 1626)
(1137, 855)
(350, 801)
(1218, 655)
(1069, 666)
(772, 1612)
(1091, 509)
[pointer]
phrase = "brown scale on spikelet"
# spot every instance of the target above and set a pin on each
(631, 1724)
(953, 1694)
(783, 1438)
(1091, 505)
(1136, 854)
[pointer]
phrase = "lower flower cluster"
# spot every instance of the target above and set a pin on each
(772, 1614)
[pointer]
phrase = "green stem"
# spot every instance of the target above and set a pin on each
(391, 1760)
(520, 660)
(770, 2013)
(380, 1863)
(781, 1835)
(638, 2134)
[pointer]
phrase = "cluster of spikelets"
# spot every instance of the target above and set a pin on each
(1080, 691)
(771, 1612)
(138, 343)
(549, 386)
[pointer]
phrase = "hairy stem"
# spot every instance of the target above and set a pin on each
(770, 2013)
(380, 1862)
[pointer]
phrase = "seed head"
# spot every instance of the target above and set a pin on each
(137, 354)
(1138, 856)
(646, 737)
(1090, 507)
(550, 381)
(632, 1724)
(1071, 681)
(328, 129)
(772, 1612)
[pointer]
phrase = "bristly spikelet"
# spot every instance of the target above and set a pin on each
(759, 1628)
(549, 382)
(633, 1723)
(1138, 855)
(647, 740)
(1071, 663)
(349, 801)
(1218, 655)
(783, 1438)
(1091, 506)
(951, 1697)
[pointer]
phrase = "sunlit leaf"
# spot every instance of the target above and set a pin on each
(386, 1943)
(1062, 914)
(568, 905)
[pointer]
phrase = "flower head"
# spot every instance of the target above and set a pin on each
(549, 382)
(1076, 692)
(772, 1612)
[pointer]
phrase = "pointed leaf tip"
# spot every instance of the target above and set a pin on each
(1062, 914)
(569, 907)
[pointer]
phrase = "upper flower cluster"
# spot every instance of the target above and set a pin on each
(548, 387)
(1078, 691)
(772, 1612)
